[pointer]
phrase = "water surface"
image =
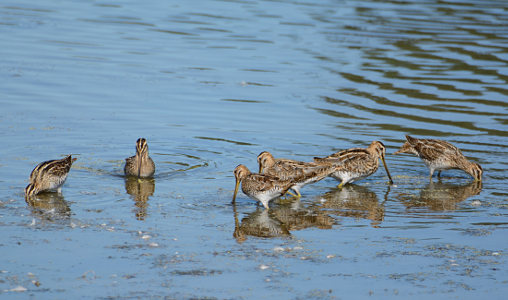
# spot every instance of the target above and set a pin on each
(210, 85)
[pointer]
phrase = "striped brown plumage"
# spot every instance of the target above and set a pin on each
(440, 155)
(356, 163)
(140, 165)
(49, 175)
(301, 173)
(260, 187)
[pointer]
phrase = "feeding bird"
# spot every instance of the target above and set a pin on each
(49, 175)
(440, 155)
(260, 187)
(356, 163)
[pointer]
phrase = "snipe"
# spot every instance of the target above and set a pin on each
(49, 175)
(301, 173)
(140, 165)
(260, 187)
(439, 155)
(356, 163)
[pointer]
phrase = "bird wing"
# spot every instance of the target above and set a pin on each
(41, 168)
(345, 157)
(431, 149)
(265, 183)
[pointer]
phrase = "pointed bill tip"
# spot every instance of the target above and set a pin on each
(386, 169)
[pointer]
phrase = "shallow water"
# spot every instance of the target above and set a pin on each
(211, 84)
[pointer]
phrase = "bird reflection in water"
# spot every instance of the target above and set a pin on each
(355, 201)
(279, 220)
(439, 196)
(297, 217)
(260, 223)
(49, 206)
(140, 189)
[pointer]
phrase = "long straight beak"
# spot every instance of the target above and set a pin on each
(140, 163)
(236, 190)
(386, 168)
(260, 169)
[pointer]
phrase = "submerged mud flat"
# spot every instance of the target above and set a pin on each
(210, 86)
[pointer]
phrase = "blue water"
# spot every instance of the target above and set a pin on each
(210, 85)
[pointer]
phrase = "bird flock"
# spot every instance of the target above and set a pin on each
(278, 177)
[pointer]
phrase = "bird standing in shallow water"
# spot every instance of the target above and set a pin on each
(356, 163)
(49, 175)
(301, 173)
(140, 165)
(440, 155)
(259, 186)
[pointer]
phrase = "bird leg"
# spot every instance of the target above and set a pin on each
(296, 196)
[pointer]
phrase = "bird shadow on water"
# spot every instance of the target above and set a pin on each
(49, 207)
(439, 196)
(279, 221)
